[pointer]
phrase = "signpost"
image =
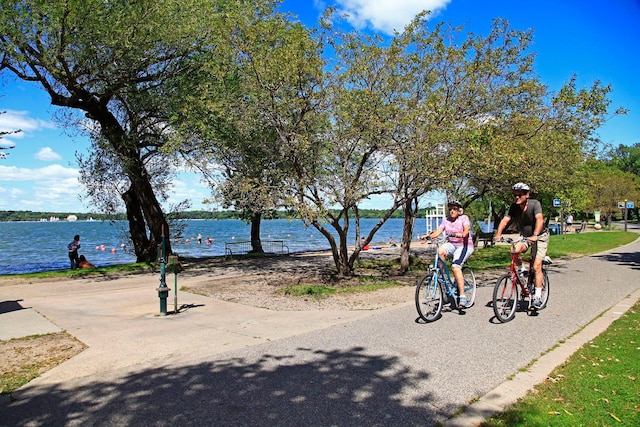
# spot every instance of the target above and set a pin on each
(626, 205)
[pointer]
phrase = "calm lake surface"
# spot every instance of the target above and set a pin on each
(28, 247)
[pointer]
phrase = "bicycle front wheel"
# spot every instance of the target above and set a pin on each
(505, 298)
(429, 297)
(470, 286)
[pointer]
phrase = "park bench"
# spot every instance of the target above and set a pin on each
(270, 247)
(582, 227)
(484, 235)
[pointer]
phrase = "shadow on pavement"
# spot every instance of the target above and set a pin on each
(632, 259)
(9, 306)
(328, 388)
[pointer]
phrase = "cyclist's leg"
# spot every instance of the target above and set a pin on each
(445, 251)
(460, 255)
(519, 247)
(539, 250)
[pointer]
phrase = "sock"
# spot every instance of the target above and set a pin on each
(538, 293)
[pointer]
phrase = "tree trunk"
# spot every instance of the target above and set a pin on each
(256, 243)
(140, 195)
(410, 213)
(153, 214)
(137, 228)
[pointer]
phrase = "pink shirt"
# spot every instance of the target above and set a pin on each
(457, 226)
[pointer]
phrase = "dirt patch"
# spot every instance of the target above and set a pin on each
(24, 359)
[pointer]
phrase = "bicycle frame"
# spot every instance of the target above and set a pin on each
(510, 289)
(440, 266)
(437, 288)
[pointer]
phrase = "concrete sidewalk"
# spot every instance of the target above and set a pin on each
(120, 323)
(124, 315)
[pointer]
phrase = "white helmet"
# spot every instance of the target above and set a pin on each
(521, 186)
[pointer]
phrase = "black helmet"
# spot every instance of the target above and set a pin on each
(455, 203)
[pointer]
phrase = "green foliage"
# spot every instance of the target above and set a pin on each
(597, 385)
(222, 214)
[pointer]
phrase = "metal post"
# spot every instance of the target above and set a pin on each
(625, 214)
(175, 293)
(163, 290)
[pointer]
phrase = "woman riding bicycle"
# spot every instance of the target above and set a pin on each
(528, 215)
(460, 245)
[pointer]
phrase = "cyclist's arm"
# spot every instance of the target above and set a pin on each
(501, 227)
(538, 227)
(435, 233)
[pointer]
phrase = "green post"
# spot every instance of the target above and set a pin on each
(163, 290)
(174, 267)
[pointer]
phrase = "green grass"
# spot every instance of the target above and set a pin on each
(365, 284)
(87, 272)
(570, 245)
(599, 385)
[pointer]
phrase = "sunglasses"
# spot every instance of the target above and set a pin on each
(518, 195)
(453, 209)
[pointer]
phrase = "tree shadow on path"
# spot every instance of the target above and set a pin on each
(312, 388)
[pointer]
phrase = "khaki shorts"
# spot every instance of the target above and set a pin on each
(540, 246)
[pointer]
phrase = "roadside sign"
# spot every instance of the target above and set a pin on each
(621, 205)
(630, 205)
(556, 203)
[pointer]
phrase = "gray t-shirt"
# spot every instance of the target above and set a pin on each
(526, 220)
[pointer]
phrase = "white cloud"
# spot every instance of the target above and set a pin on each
(12, 120)
(53, 188)
(47, 154)
(54, 173)
(386, 15)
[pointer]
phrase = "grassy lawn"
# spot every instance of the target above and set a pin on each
(599, 385)
(567, 246)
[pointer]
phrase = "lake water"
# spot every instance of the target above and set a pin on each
(28, 247)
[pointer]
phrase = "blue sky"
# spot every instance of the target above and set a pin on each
(594, 40)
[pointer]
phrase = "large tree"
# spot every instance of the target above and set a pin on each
(111, 61)
(250, 101)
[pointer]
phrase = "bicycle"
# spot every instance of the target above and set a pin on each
(507, 299)
(436, 288)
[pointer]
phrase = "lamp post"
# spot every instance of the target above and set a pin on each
(625, 214)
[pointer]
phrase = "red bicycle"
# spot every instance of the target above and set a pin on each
(512, 289)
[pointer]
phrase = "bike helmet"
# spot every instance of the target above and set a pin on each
(521, 186)
(455, 203)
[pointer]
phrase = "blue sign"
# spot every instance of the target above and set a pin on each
(556, 203)
(629, 205)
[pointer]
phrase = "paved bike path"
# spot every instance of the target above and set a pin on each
(224, 364)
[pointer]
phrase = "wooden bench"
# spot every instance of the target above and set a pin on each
(582, 227)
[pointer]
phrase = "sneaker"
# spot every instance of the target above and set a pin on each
(463, 301)
(537, 303)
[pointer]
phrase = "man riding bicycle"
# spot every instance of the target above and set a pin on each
(460, 244)
(528, 216)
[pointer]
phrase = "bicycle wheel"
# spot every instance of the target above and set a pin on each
(505, 298)
(545, 290)
(544, 296)
(429, 297)
(470, 286)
